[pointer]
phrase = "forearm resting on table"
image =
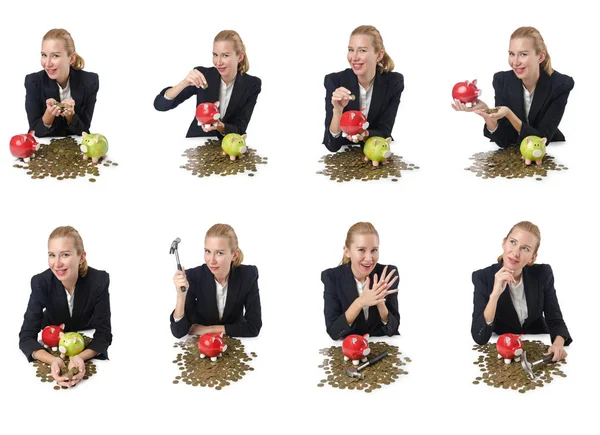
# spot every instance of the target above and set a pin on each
(197, 329)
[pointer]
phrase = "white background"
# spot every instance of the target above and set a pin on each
(437, 224)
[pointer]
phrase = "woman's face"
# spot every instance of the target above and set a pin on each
(362, 57)
(519, 250)
(523, 60)
(63, 259)
(363, 254)
(55, 60)
(218, 256)
(226, 60)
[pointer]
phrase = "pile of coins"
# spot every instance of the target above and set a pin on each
(203, 372)
(497, 374)
(383, 372)
(350, 165)
(508, 163)
(62, 159)
(43, 370)
(208, 159)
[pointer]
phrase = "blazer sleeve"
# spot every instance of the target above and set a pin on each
(82, 120)
(249, 325)
(32, 321)
(552, 116)
(34, 106)
(335, 317)
(333, 144)
(101, 321)
(162, 104)
(552, 312)
(480, 330)
(239, 124)
(391, 302)
(384, 127)
(505, 134)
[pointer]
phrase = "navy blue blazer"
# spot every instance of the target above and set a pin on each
(84, 87)
(387, 89)
(543, 312)
(48, 306)
(547, 107)
(240, 108)
(340, 292)
(201, 302)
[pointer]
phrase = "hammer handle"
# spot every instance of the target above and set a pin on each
(373, 360)
(545, 359)
(180, 288)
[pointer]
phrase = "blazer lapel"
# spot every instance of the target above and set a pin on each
(211, 296)
(355, 89)
(59, 297)
(515, 96)
(350, 291)
(377, 97)
(530, 284)
(239, 87)
(51, 90)
(80, 297)
(540, 95)
(505, 305)
(234, 284)
(77, 90)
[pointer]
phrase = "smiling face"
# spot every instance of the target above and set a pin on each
(523, 59)
(219, 256)
(56, 61)
(64, 260)
(520, 249)
(363, 254)
(362, 56)
(226, 60)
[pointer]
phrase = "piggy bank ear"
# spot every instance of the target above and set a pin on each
(544, 140)
(31, 133)
(244, 136)
(528, 139)
(61, 335)
(62, 326)
(217, 103)
(475, 82)
(389, 140)
(366, 336)
(220, 334)
(84, 134)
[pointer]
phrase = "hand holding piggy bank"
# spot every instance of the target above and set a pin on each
(509, 347)
(353, 124)
(377, 149)
(211, 345)
(234, 145)
(71, 343)
(207, 114)
(51, 335)
(24, 146)
(466, 92)
(356, 348)
(94, 146)
(533, 148)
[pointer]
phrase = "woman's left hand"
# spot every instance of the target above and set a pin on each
(502, 112)
(197, 329)
(69, 108)
(558, 350)
(213, 127)
(77, 361)
(359, 137)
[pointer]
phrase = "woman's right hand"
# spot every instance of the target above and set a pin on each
(195, 78)
(503, 277)
(340, 98)
(462, 107)
(55, 366)
(52, 108)
(180, 280)
(379, 291)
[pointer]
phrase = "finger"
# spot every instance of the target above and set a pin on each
(390, 292)
(393, 281)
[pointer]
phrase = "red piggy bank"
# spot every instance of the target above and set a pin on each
(509, 347)
(353, 123)
(23, 146)
(207, 114)
(51, 335)
(356, 347)
(211, 345)
(466, 92)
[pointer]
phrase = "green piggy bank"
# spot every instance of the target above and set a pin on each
(234, 145)
(71, 343)
(93, 146)
(377, 149)
(533, 149)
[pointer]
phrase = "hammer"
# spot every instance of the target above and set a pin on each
(528, 367)
(174, 251)
(353, 371)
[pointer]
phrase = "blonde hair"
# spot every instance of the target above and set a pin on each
(64, 36)
(538, 44)
(227, 232)
(528, 227)
(77, 242)
(238, 46)
(386, 64)
(359, 228)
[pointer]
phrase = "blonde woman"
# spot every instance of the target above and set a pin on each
(517, 296)
(221, 295)
(226, 82)
(72, 293)
(61, 98)
(531, 98)
(360, 294)
(372, 82)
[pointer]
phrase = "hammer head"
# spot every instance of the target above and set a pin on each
(174, 245)
(527, 366)
(354, 373)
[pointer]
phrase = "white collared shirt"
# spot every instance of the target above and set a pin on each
(527, 99)
(365, 97)
(70, 299)
(360, 287)
(221, 298)
(517, 294)
(65, 93)
(225, 95)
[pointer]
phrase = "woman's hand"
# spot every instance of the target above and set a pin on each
(180, 280)
(503, 277)
(219, 126)
(55, 366)
(378, 292)
(340, 98)
(76, 361)
(501, 112)
(359, 137)
(52, 108)
(69, 108)
(462, 107)
(195, 78)
(197, 329)
(558, 349)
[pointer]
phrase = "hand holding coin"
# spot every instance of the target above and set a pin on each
(53, 107)
(180, 280)
(195, 78)
(340, 98)
(494, 113)
(78, 363)
(55, 370)
(68, 107)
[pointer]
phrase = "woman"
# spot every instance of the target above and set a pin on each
(72, 293)
(360, 294)
(517, 296)
(221, 295)
(371, 82)
(530, 98)
(60, 99)
(227, 83)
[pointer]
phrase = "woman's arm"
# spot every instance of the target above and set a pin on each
(251, 323)
(504, 134)
(332, 116)
(185, 304)
(383, 127)
(81, 120)
(552, 313)
(480, 330)
(240, 122)
(32, 321)
(389, 313)
(35, 106)
(100, 322)
(339, 323)
(173, 96)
